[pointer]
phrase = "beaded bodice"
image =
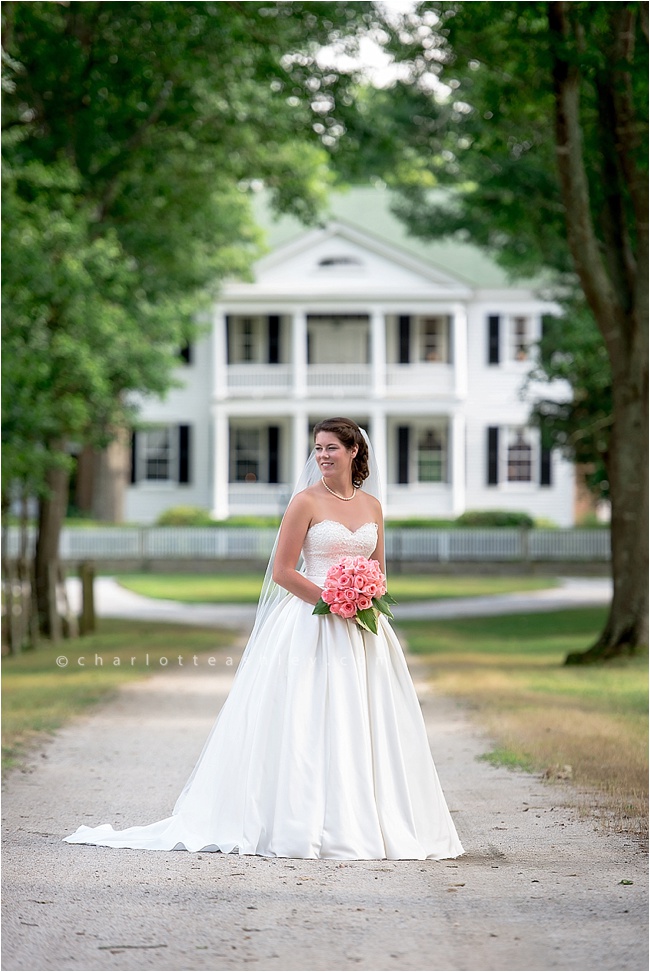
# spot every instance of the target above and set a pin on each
(328, 540)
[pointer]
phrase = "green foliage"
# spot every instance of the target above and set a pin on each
(495, 518)
(572, 350)
(419, 523)
(185, 516)
(133, 133)
(468, 140)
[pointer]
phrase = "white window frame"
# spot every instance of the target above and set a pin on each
(443, 326)
(437, 430)
(261, 457)
(144, 448)
(253, 324)
(519, 337)
(508, 435)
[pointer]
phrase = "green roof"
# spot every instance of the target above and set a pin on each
(368, 208)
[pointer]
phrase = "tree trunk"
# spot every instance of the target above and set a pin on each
(51, 513)
(111, 478)
(626, 629)
(619, 303)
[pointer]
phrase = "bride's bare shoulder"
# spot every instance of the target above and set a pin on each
(303, 502)
(373, 505)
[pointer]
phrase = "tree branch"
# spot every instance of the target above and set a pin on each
(628, 126)
(111, 189)
(581, 235)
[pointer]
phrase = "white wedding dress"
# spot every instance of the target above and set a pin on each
(320, 750)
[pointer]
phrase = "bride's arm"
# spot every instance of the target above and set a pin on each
(378, 553)
(292, 534)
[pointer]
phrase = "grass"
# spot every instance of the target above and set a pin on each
(245, 588)
(38, 696)
(589, 724)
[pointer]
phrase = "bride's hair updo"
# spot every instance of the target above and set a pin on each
(349, 433)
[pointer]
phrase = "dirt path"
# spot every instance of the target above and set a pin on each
(539, 888)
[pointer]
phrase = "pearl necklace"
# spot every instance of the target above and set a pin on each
(346, 499)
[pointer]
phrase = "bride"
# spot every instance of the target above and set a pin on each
(320, 750)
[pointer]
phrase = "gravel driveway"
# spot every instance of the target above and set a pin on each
(539, 887)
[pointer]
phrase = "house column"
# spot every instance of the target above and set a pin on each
(219, 355)
(457, 462)
(300, 440)
(460, 350)
(378, 352)
(299, 353)
(378, 438)
(220, 499)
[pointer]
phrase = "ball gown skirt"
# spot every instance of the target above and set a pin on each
(320, 750)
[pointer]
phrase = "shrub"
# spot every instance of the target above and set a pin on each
(495, 518)
(422, 523)
(186, 516)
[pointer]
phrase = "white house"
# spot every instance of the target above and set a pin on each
(425, 345)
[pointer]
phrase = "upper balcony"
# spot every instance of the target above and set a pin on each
(340, 355)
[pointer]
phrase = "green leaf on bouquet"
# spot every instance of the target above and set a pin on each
(381, 605)
(389, 599)
(367, 619)
(321, 607)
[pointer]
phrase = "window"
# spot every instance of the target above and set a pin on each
(519, 458)
(162, 454)
(157, 454)
(431, 456)
(519, 338)
(247, 340)
(340, 261)
(433, 338)
(246, 455)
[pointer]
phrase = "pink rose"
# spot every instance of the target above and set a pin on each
(335, 608)
(350, 594)
(334, 573)
(370, 590)
(364, 603)
(329, 596)
(345, 581)
(347, 610)
(361, 564)
(359, 581)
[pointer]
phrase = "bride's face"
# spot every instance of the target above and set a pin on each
(333, 458)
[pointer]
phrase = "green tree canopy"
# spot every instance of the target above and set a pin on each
(132, 133)
(536, 115)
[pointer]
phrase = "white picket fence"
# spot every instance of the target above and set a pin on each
(414, 544)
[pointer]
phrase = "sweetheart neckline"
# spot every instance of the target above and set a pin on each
(338, 523)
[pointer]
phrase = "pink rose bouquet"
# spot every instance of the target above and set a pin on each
(355, 588)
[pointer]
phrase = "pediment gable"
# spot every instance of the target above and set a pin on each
(342, 260)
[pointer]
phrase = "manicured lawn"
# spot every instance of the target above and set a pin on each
(542, 715)
(245, 588)
(38, 696)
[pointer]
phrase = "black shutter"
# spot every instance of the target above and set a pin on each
(185, 353)
(405, 340)
(229, 338)
(183, 453)
(492, 456)
(274, 453)
(274, 341)
(493, 339)
(403, 454)
(545, 474)
(134, 458)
